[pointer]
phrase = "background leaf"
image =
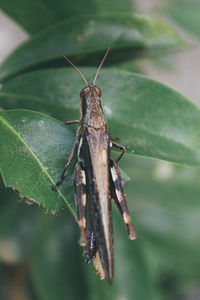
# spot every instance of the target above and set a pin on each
(55, 261)
(153, 120)
(16, 226)
(51, 12)
(164, 200)
(187, 16)
(85, 39)
(30, 143)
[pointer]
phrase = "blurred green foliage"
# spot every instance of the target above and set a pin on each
(39, 253)
(185, 13)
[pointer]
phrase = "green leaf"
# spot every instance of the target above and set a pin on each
(50, 12)
(164, 199)
(16, 227)
(150, 119)
(55, 268)
(170, 219)
(56, 110)
(85, 39)
(33, 151)
(187, 16)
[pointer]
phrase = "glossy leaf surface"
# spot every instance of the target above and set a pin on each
(33, 151)
(85, 40)
(150, 119)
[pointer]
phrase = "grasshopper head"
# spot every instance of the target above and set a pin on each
(90, 91)
(90, 102)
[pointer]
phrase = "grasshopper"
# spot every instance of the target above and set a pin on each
(97, 179)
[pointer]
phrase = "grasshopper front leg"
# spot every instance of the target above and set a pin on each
(72, 122)
(69, 159)
(70, 156)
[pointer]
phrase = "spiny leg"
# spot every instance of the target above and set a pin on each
(69, 159)
(91, 247)
(118, 194)
(80, 196)
(72, 122)
(121, 147)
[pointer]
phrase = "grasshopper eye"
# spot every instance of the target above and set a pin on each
(84, 91)
(98, 91)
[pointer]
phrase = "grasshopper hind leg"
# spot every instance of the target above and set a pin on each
(118, 194)
(91, 248)
(80, 196)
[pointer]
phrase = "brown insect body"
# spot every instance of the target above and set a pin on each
(97, 179)
(95, 153)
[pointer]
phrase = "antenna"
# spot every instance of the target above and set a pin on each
(101, 64)
(72, 65)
